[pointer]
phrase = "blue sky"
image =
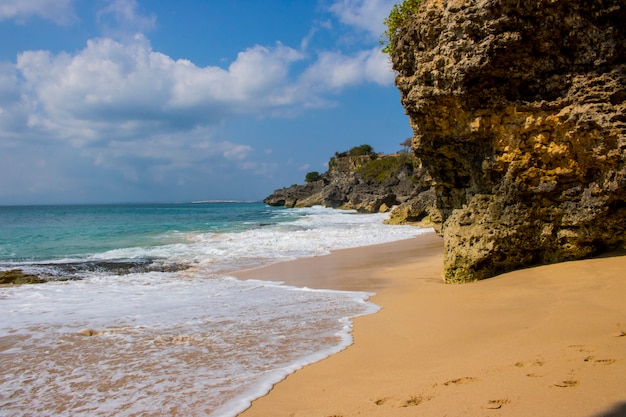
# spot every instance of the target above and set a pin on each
(105, 101)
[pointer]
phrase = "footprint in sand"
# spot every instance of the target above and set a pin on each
(538, 362)
(604, 361)
(531, 364)
(381, 401)
(567, 383)
(581, 348)
(459, 381)
(413, 401)
(496, 404)
(410, 402)
(592, 359)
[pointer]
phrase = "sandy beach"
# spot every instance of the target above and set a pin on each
(544, 341)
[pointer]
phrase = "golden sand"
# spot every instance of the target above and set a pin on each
(545, 341)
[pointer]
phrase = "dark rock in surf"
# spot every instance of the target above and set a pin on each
(18, 277)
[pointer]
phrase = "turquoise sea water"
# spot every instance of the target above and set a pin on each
(35, 233)
(172, 333)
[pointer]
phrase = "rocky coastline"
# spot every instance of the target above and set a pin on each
(367, 183)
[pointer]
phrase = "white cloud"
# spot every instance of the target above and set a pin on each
(126, 88)
(335, 71)
(366, 15)
(264, 169)
(257, 80)
(122, 17)
(163, 153)
(237, 152)
(122, 89)
(59, 11)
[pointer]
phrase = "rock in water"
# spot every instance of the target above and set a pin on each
(519, 115)
(18, 277)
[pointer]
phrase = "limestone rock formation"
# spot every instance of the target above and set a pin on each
(417, 210)
(370, 183)
(519, 115)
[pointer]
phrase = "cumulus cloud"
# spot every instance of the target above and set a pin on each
(115, 89)
(58, 11)
(123, 88)
(257, 80)
(130, 110)
(367, 15)
(129, 88)
(335, 71)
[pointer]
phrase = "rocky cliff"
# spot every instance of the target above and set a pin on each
(367, 183)
(518, 111)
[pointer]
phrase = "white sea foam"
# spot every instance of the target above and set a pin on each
(317, 233)
(160, 342)
(194, 342)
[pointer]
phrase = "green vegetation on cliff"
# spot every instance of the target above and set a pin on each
(363, 154)
(398, 17)
(313, 176)
(382, 169)
(360, 150)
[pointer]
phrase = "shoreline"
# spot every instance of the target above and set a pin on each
(348, 269)
(547, 340)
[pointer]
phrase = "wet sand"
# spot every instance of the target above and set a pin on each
(545, 341)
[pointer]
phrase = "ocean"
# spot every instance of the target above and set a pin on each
(140, 316)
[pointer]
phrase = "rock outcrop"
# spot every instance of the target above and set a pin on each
(19, 277)
(519, 115)
(367, 183)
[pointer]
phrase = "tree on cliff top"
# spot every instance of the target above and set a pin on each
(406, 145)
(357, 151)
(312, 176)
(398, 17)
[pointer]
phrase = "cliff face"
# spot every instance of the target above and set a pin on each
(369, 183)
(519, 115)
